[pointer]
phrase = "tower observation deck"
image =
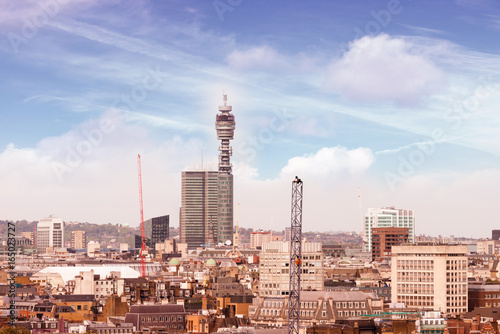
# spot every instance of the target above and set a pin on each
(225, 125)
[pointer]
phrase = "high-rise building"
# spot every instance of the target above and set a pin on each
(387, 217)
(156, 230)
(274, 268)
(206, 214)
(430, 277)
(383, 238)
(79, 239)
(49, 233)
(495, 234)
(198, 216)
(159, 227)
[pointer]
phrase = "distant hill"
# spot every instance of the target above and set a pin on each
(104, 234)
(109, 233)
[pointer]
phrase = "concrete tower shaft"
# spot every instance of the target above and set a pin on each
(225, 125)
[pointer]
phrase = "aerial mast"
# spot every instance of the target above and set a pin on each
(143, 235)
(295, 257)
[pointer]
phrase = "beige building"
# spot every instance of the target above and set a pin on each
(79, 239)
(430, 276)
(487, 246)
(258, 238)
(275, 268)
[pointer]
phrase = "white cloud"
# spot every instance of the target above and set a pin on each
(448, 203)
(88, 174)
(262, 57)
(382, 68)
(330, 162)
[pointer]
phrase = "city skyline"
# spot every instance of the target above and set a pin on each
(371, 104)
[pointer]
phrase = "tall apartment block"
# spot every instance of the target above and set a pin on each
(79, 239)
(49, 233)
(274, 268)
(430, 276)
(206, 214)
(387, 217)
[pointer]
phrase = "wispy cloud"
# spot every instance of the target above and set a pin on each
(184, 125)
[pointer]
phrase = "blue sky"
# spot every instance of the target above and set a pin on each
(393, 100)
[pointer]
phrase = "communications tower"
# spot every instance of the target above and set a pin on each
(225, 125)
(295, 257)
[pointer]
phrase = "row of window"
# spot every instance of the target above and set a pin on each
(415, 276)
(416, 289)
(166, 318)
(113, 330)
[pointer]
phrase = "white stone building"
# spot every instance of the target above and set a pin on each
(49, 233)
(430, 276)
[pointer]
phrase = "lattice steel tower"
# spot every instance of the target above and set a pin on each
(295, 257)
(225, 125)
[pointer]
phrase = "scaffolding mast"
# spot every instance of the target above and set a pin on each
(295, 257)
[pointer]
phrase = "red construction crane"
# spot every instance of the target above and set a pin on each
(143, 236)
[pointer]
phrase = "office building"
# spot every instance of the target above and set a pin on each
(275, 268)
(495, 234)
(156, 230)
(387, 217)
(198, 216)
(78, 239)
(430, 277)
(206, 214)
(383, 238)
(49, 233)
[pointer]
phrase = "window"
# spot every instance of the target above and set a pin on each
(337, 305)
(340, 313)
(323, 313)
(79, 307)
(85, 307)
